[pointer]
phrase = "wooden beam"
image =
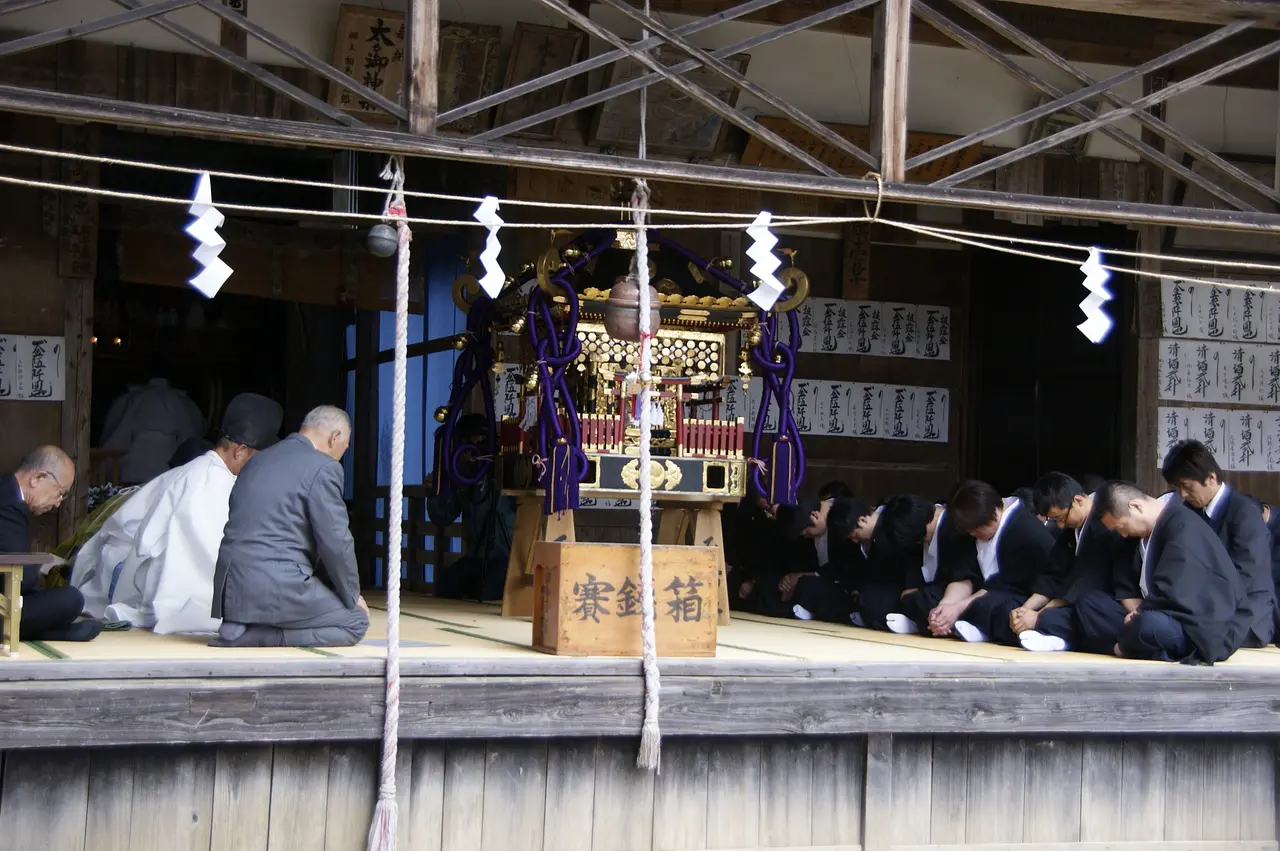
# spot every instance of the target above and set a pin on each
(421, 67)
(1138, 146)
(1152, 120)
(711, 102)
(1085, 37)
(232, 37)
(61, 34)
(7, 6)
(1197, 11)
(1114, 115)
(890, 48)
(383, 142)
(599, 60)
(649, 78)
(724, 70)
(258, 73)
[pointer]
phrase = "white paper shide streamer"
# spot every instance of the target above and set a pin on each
(204, 230)
(1097, 324)
(494, 278)
(767, 263)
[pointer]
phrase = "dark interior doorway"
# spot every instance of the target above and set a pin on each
(1046, 397)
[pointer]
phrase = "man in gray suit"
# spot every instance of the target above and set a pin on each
(287, 571)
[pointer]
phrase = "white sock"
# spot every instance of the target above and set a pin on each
(1038, 642)
(856, 619)
(801, 612)
(970, 633)
(901, 624)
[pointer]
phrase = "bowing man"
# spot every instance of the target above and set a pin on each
(894, 559)
(1083, 559)
(948, 573)
(286, 572)
(1193, 607)
(830, 593)
(1013, 549)
(1236, 519)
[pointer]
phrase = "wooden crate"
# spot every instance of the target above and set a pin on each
(587, 599)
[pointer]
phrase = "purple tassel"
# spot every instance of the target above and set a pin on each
(781, 487)
(561, 485)
(441, 484)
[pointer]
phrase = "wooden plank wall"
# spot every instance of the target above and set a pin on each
(916, 793)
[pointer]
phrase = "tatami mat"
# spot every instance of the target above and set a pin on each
(446, 629)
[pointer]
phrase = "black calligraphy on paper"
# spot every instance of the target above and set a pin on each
(40, 386)
(7, 356)
(802, 407)
(835, 410)
(686, 608)
(628, 599)
(1177, 322)
(1245, 456)
(592, 597)
(899, 426)
(936, 332)
(898, 330)
(870, 425)
(830, 339)
(1248, 314)
(931, 415)
(1172, 371)
(1238, 382)
(1214, 326)
(1172, 432)
(842, 324)
(1273, 376)
(806, 322)
(1209, 430)
(1202, 381)
(862, 326)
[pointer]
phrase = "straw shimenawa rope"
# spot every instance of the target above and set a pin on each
(382, 833)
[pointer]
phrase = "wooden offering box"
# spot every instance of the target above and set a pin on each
(587, 599)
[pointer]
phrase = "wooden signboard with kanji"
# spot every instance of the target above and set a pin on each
(587, 599)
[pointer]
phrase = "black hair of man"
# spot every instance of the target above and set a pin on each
(1026, 496)
(793, 520)
(1056, 490)
(834, 490)
(1114, 497)
(43, 459)
(1091, 482)
(973, 505)
(843, 517)
(1189, 459)
(905, 519)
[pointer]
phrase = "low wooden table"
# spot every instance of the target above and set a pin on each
(11, 568)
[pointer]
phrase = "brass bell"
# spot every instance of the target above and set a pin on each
(622, 309)
(460, 343)
(442, 413)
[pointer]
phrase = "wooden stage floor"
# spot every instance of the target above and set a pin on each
(432, 629)
(468, 673)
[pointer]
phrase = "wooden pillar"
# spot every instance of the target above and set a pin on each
(77, 267)
(890, 46)
(1146, 351)
(237, 88)
(421, 66)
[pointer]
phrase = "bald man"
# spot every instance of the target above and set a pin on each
(286, 574)
(38, 486)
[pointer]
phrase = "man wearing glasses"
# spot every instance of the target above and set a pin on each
(39, 486)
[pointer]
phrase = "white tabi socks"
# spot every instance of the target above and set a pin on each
(1038, 642)
(970, 633)
(801, 612)
(901, 624)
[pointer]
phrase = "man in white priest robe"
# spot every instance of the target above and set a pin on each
(152, 562)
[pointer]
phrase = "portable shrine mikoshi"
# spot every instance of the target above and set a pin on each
(575, 429)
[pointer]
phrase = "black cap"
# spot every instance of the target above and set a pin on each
(253, 420)
(190, 449)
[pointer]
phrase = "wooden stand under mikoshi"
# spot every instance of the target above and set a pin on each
(587, 599)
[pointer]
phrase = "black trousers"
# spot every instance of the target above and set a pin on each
(990, 613)
(1156, 636)
(823, 599)
(878, 600)
(1099, 618)
(47, 613)
(918, 604)
(1060, 623)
